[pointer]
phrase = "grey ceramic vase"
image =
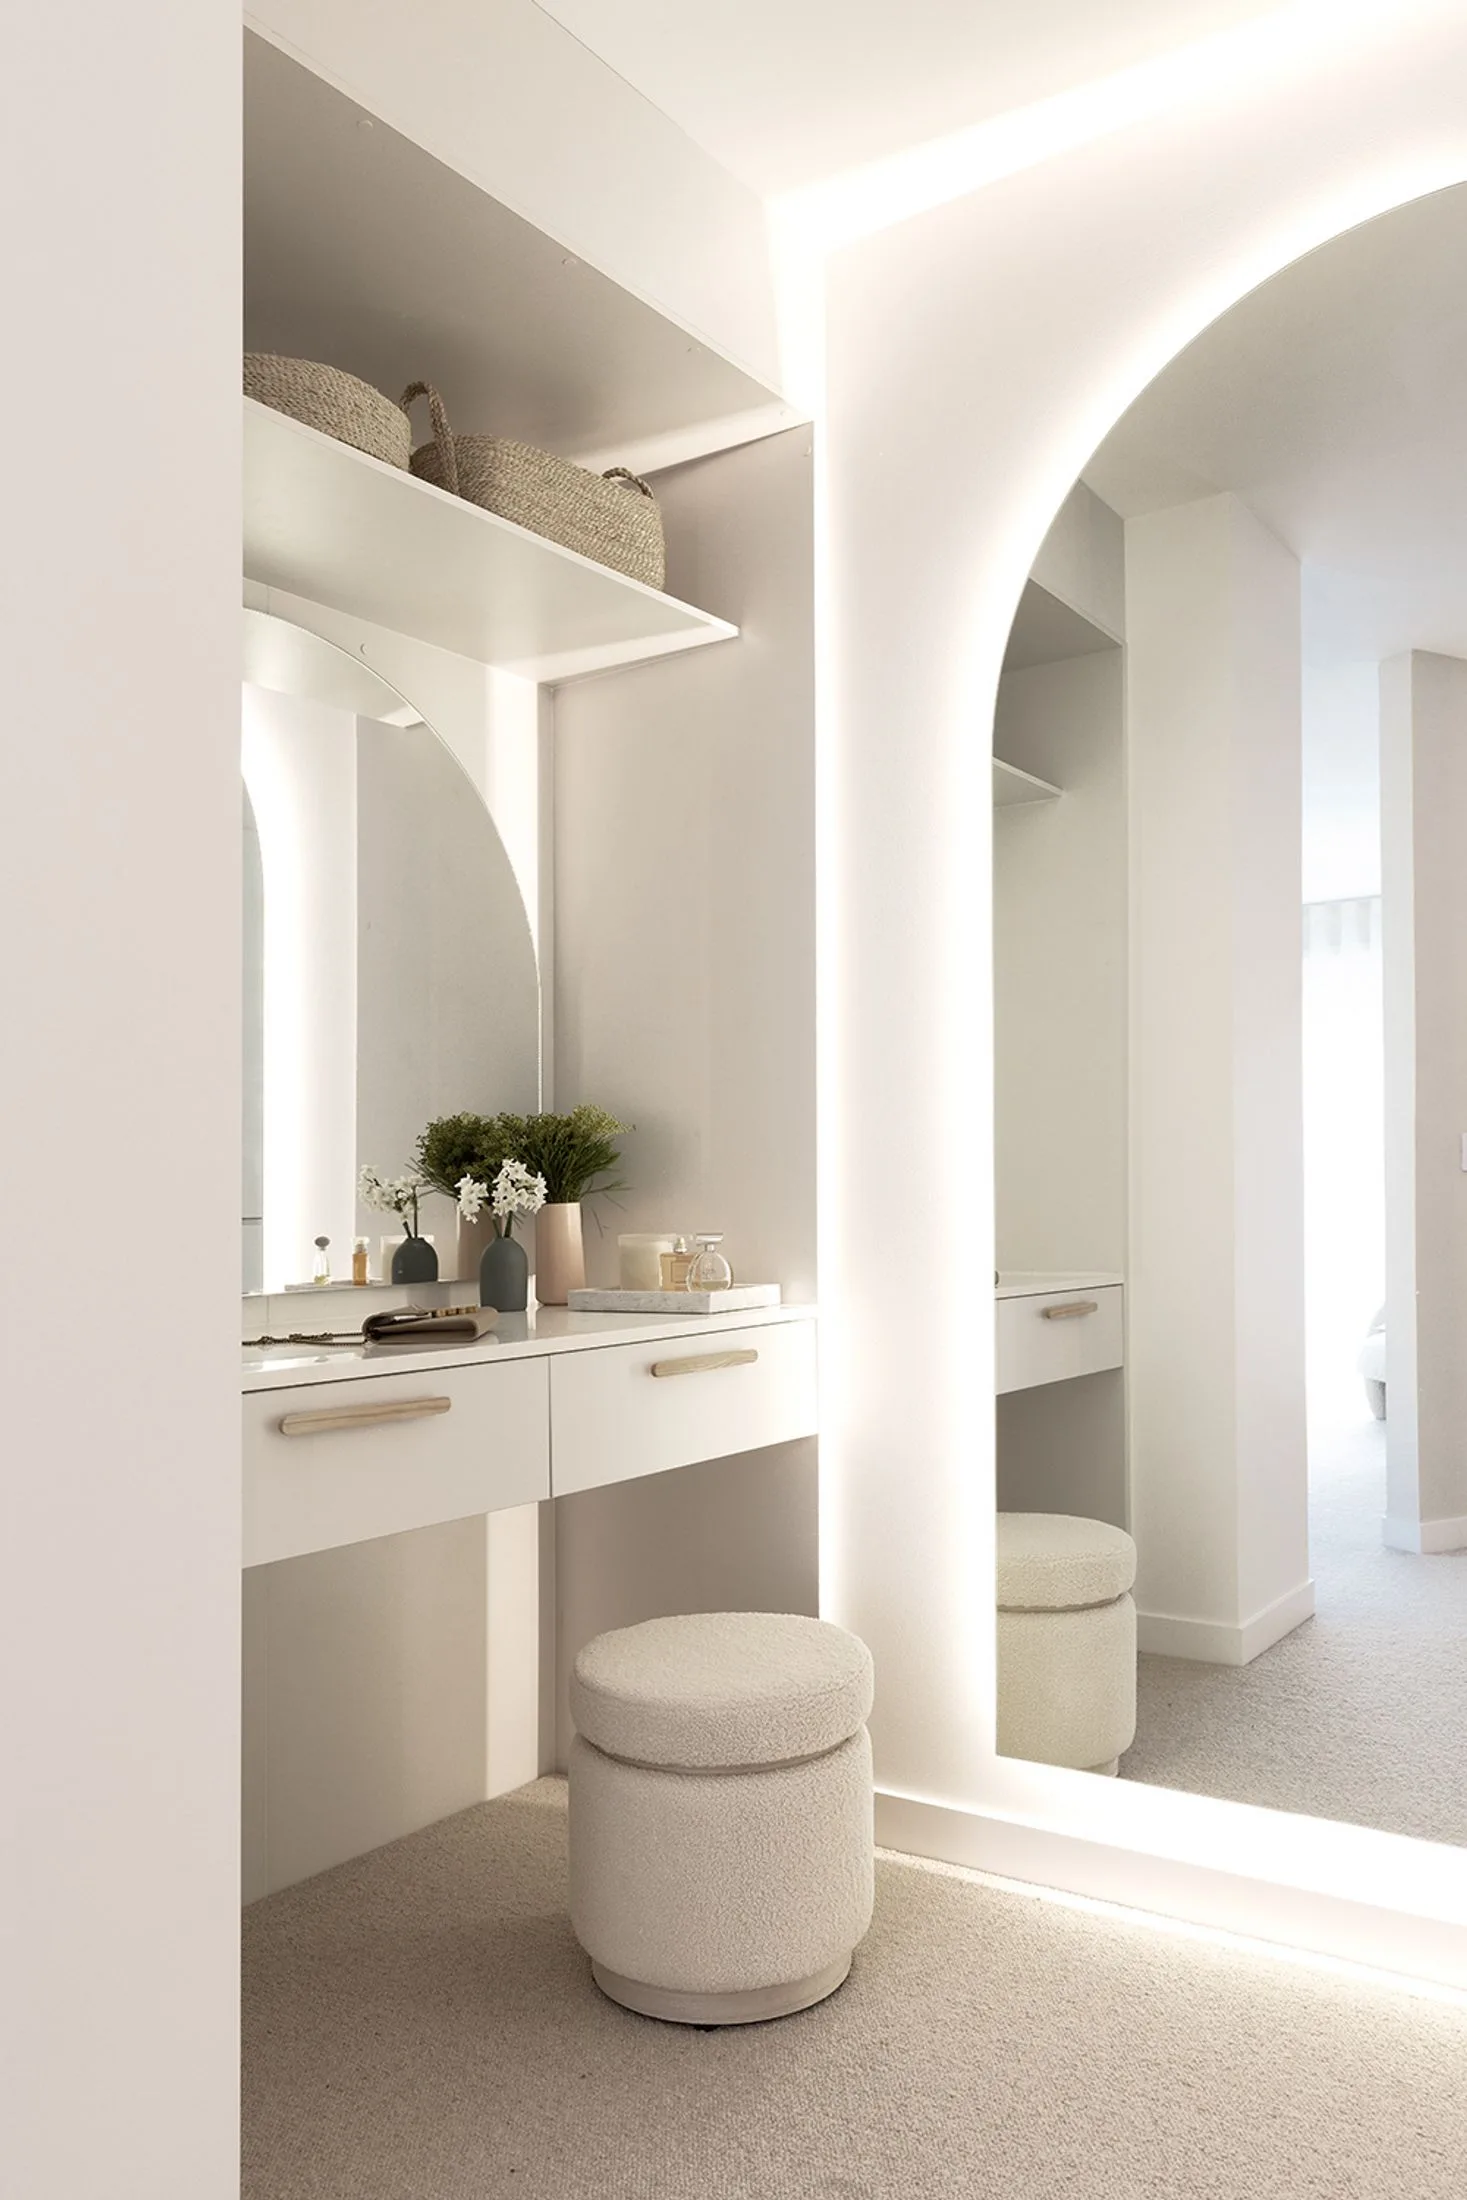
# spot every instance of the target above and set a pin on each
(415, 1261)
(504, 1276)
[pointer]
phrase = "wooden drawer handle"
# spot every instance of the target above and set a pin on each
(704, 1363)
(330, 1418)
(1072, 1311)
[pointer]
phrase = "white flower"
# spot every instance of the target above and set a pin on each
(392, 1195)
(517, 1192)
(471, 1197)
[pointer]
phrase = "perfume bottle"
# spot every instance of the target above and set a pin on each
(710, 1271)
(321, 1273)
(359, 1260)
(675, 1266)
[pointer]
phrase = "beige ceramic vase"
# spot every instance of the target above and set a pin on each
(560, 1256)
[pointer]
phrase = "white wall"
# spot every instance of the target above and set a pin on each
(365, 1699)
(1060, 970)
(1216, 1300)
(499, 91)
(685, 1001)
(1082, 559)
(1344, 1156)
(121, 1022)
(1424, 821)
(1341, 775)
(685, 900)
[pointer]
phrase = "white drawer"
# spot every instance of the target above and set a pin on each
(638, 1409)
(408, 1462)
(1049, 1338)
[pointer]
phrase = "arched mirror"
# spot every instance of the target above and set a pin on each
(389, 969)
(1231, 984)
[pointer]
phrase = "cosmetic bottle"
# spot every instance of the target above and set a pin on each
(675, 1265)
(359, 1260)
(710, 1271)
(321, 1273)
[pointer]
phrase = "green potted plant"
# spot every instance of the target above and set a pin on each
(574, 1154)
(454, 1147)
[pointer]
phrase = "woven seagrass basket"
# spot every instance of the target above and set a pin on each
(611, 517)
(331, 400)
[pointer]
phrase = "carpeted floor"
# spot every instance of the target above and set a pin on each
(1361, 1713)
(419, 2025)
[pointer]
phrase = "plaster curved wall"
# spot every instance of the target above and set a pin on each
(975, 356)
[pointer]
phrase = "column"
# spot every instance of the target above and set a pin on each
(1216, 1273)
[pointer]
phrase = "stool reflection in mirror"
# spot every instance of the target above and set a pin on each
(1066, 1641)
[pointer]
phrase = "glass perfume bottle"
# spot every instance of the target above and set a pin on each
(710, 1271)
(321, 1273)
(359, 1271)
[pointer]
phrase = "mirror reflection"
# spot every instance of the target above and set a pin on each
(389, 970)
(1230, 791)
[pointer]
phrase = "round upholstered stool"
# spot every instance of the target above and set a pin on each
(721, 1813)
(1066, 1640)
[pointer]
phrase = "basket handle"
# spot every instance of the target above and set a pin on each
(442, 433)
(623, 473)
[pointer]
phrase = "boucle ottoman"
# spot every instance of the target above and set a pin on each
(721, 1864)
(1066, 1640)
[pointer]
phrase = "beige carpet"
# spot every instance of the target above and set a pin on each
(419, 2025)
(1361, 1713)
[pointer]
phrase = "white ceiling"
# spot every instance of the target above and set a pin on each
(786, 92)
(1334, 402)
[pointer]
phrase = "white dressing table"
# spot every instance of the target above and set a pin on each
(343, 1444)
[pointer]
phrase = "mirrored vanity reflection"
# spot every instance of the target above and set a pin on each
(1229, 810)
(389, 970)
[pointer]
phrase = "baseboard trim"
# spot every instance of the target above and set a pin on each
(1215, 1642)
(1290, 1918)
(1426, 1537)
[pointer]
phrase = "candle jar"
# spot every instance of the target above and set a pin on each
(639, 1259)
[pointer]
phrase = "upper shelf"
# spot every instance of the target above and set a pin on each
(364, 250)
(1011, 787)
(325, 521)
(1047, 630)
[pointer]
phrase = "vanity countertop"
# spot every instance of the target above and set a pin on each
(1020, 1284)
(545, 1330)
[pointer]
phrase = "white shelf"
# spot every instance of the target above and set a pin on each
(325, 521)
(363, 249)
(1012, 787)
(1047, 631)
